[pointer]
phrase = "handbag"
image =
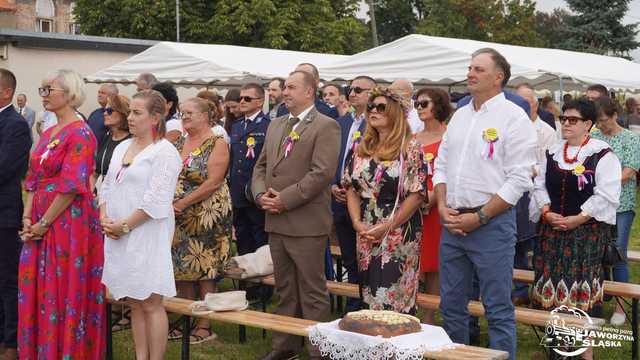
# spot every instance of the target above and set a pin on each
(612, 255)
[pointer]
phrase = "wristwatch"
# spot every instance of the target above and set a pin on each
(125, 228)
(584, 213)
(482, 217)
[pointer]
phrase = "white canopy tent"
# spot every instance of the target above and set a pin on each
(444, 61)
(202, 64)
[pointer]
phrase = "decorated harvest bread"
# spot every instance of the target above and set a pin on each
(380, 323)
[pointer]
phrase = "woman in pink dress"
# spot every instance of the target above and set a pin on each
(61, 300)
(433, 109)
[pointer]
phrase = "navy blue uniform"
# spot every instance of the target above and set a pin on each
(248, 219)
(344, 227)
(321, 106)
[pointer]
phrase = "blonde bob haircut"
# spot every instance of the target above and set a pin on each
(71, 82)
(400, 134)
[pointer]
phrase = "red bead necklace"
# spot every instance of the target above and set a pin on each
(575, 158)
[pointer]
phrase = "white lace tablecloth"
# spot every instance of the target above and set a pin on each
(346, 345)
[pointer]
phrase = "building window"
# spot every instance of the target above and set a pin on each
(74, 29)
(45, 25)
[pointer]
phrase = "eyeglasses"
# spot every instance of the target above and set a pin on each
(358, 90)
(571, 119)
(109, 111)
(421, 104)
(247, 98)
(46, 91)
(380, 108)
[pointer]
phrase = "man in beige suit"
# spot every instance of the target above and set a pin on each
(291, 182)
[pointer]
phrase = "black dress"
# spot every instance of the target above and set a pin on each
(105, 151)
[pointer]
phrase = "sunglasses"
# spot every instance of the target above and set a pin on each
(380, 108)
(571, 119)
(109, 111)
(247, 98)
(358, 90)
(421, 104)
(46, 91)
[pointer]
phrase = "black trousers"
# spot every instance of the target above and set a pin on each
(10, 246)
(249, 225)
(250, 235)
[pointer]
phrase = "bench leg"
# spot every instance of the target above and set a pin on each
(186, 335)
(339, 275)
(242, 334)
(109, 351)
(634, 328)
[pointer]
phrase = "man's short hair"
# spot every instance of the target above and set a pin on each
(314, 69)
(366, 78)
(112, 88)
(256, 87)
(307, 79)
(500, 62)
(280, 82)
(8, 80)
(148, 78)
(599, 88)
(525, 85)
(338, 87)
(23, 95)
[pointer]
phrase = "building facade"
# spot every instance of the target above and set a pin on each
(55, 16)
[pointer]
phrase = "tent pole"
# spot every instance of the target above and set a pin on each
(561, 88)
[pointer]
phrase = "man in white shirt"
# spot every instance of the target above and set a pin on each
(405, 88)
(484, 165)
(26, 112)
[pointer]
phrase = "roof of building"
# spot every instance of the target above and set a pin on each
(67, 41)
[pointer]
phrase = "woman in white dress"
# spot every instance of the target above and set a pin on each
(136, 213)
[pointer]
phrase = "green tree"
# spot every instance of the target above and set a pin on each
(597, 27)
(503, 21)
(551, 27)
(317, 26)
(395, 19)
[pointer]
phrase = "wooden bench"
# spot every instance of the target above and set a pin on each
(633, 256)
(293, 326)
(523, 315)
(625, 290)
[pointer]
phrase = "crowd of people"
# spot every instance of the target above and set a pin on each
(145, 198)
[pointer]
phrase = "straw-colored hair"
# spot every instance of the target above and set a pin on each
(71, 82)
(400, 134)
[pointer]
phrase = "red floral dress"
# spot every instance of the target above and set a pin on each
(61, 298)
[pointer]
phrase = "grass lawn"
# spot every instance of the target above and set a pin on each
(228, 347)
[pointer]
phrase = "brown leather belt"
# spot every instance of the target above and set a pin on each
(468, 210)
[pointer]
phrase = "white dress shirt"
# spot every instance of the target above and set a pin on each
(602, 205)
(471, 177)
(302, 116)
(415, 123)
(546, 139)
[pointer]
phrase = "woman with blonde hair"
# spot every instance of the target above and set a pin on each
(385, 181)
(61, 299)
(202, 205)
(137, 219)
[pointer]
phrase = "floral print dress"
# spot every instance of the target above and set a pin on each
(201, 244)
(389, 271)
(61, 298)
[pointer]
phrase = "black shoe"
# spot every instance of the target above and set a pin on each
(279, 355)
